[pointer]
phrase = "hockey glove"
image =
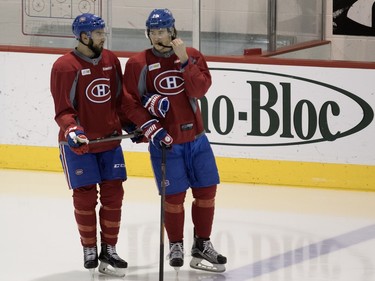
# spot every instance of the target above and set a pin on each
(132, 129)
(157, 105)
(155, 133)
(77, 140)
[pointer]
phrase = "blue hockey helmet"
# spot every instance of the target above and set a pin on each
(160, 18)
(86, 23)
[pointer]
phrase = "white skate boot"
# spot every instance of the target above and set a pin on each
(203, 250)
(109, 257)
(176, 255)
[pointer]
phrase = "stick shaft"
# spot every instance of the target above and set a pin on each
(121, 137)
(162, 200)
(127, 136)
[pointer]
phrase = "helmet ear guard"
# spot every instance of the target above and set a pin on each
(173, 33)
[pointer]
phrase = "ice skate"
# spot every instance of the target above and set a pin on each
(109, 257)
(90, 258)
(204, 256)
(176, 255)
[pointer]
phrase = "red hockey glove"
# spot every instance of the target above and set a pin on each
(155, 133)
(157, 105)
(77, 140)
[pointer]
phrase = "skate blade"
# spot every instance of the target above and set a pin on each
(177, 269)
(107, 269)
(92, 273)
(197, 263)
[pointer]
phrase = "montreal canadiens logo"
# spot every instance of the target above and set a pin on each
(98, 91)
(169, 83)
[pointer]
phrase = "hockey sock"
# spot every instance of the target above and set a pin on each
(174, 216)
(84, 201)
(111, 196)
(202, 210)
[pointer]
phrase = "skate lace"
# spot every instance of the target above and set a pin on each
(112, 252)
(208, 249)
(90, 253)
(176, 251)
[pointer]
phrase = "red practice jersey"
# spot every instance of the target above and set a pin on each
(88, 93)
(153, 72)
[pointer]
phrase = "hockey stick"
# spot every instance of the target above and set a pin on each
(121, 137)
(162, 200)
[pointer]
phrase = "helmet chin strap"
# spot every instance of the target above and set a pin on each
(165, 46)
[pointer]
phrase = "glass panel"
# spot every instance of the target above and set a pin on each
(227, 27)
(129, 18)
(230, 27)
(299, 19)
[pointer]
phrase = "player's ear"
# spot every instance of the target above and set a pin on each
(84, 37)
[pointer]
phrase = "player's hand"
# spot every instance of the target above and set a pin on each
(179, 49)
(77, 140)
(156, 104)
(132, 129)
(155, 133)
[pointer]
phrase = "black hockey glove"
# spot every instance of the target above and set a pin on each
(132, 129)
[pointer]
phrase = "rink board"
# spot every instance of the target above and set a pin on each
(270, 121)
(308, 174)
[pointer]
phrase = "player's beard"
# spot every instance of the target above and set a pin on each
(97, 50)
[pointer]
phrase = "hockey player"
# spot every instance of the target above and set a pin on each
(168, 79)
(86, 86)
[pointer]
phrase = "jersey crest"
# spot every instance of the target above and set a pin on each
(98, 91)
(169, 83)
